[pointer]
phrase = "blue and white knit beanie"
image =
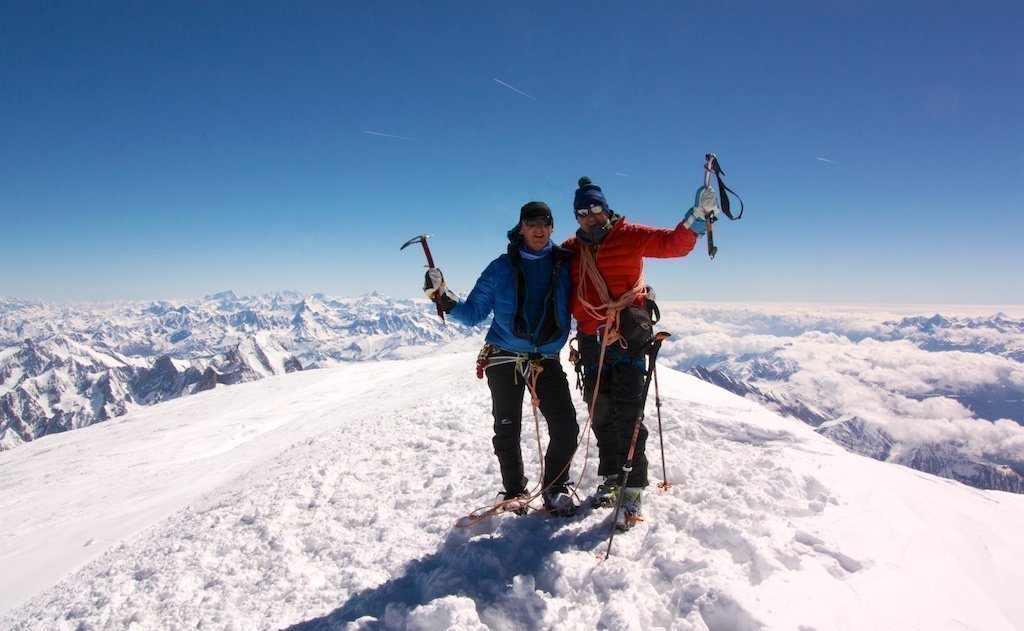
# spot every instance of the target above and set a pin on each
(589, 194)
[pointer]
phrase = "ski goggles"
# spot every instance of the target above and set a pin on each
(594, 209)
(537, 221)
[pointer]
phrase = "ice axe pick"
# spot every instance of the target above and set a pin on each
(422, 240)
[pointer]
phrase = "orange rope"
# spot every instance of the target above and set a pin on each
(609, 311)
(531, 384)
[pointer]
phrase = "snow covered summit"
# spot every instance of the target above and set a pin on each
(326, 499)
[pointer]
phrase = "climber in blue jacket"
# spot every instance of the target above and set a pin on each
(528, 290)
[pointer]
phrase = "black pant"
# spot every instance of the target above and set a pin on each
(619, 402)
(507, 389)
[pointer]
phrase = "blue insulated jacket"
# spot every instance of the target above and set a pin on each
(504, 289)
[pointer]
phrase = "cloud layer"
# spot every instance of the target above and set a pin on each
(916, 374)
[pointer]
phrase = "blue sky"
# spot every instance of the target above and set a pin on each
(172, 150)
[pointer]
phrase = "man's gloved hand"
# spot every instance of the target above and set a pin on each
(705, 206)
(436, 289)
(433, 280)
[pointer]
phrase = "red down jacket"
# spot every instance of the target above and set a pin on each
(620, 260)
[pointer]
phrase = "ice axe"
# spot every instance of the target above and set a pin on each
(711, 166)
(422, 239)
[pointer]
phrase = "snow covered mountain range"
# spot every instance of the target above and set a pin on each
(941, 393)
(326, 499)
(67, 366)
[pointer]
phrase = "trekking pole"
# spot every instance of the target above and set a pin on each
(664, 485)
(422, 239)
(628, 466)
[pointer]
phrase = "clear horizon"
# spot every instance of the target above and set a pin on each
(174, 151)
(906, 308)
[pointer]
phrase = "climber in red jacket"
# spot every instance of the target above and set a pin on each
(610, 305)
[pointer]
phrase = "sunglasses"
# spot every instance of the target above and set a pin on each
(595, 209)
(537, 221)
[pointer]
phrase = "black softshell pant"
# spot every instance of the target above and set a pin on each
(619, 401)
(507, 390)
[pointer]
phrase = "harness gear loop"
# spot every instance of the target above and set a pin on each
(483, 358)
(577, 361)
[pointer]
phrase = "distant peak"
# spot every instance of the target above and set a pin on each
(223, 295)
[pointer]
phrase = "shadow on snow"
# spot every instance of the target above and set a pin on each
(481, 563)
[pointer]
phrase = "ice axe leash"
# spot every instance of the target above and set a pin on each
(655, 346)
(711, 165)
(422, 240)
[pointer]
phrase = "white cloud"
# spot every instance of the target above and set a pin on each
(858, 362)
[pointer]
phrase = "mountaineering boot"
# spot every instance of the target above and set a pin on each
(558, 502)
(515, 502)
(630, 513)
(606, 493)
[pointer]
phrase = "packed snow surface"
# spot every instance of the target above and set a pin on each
(327, 499)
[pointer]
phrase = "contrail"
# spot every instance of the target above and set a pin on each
(515, 89)
(827, 160)
(622, 174)
(377, 133)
